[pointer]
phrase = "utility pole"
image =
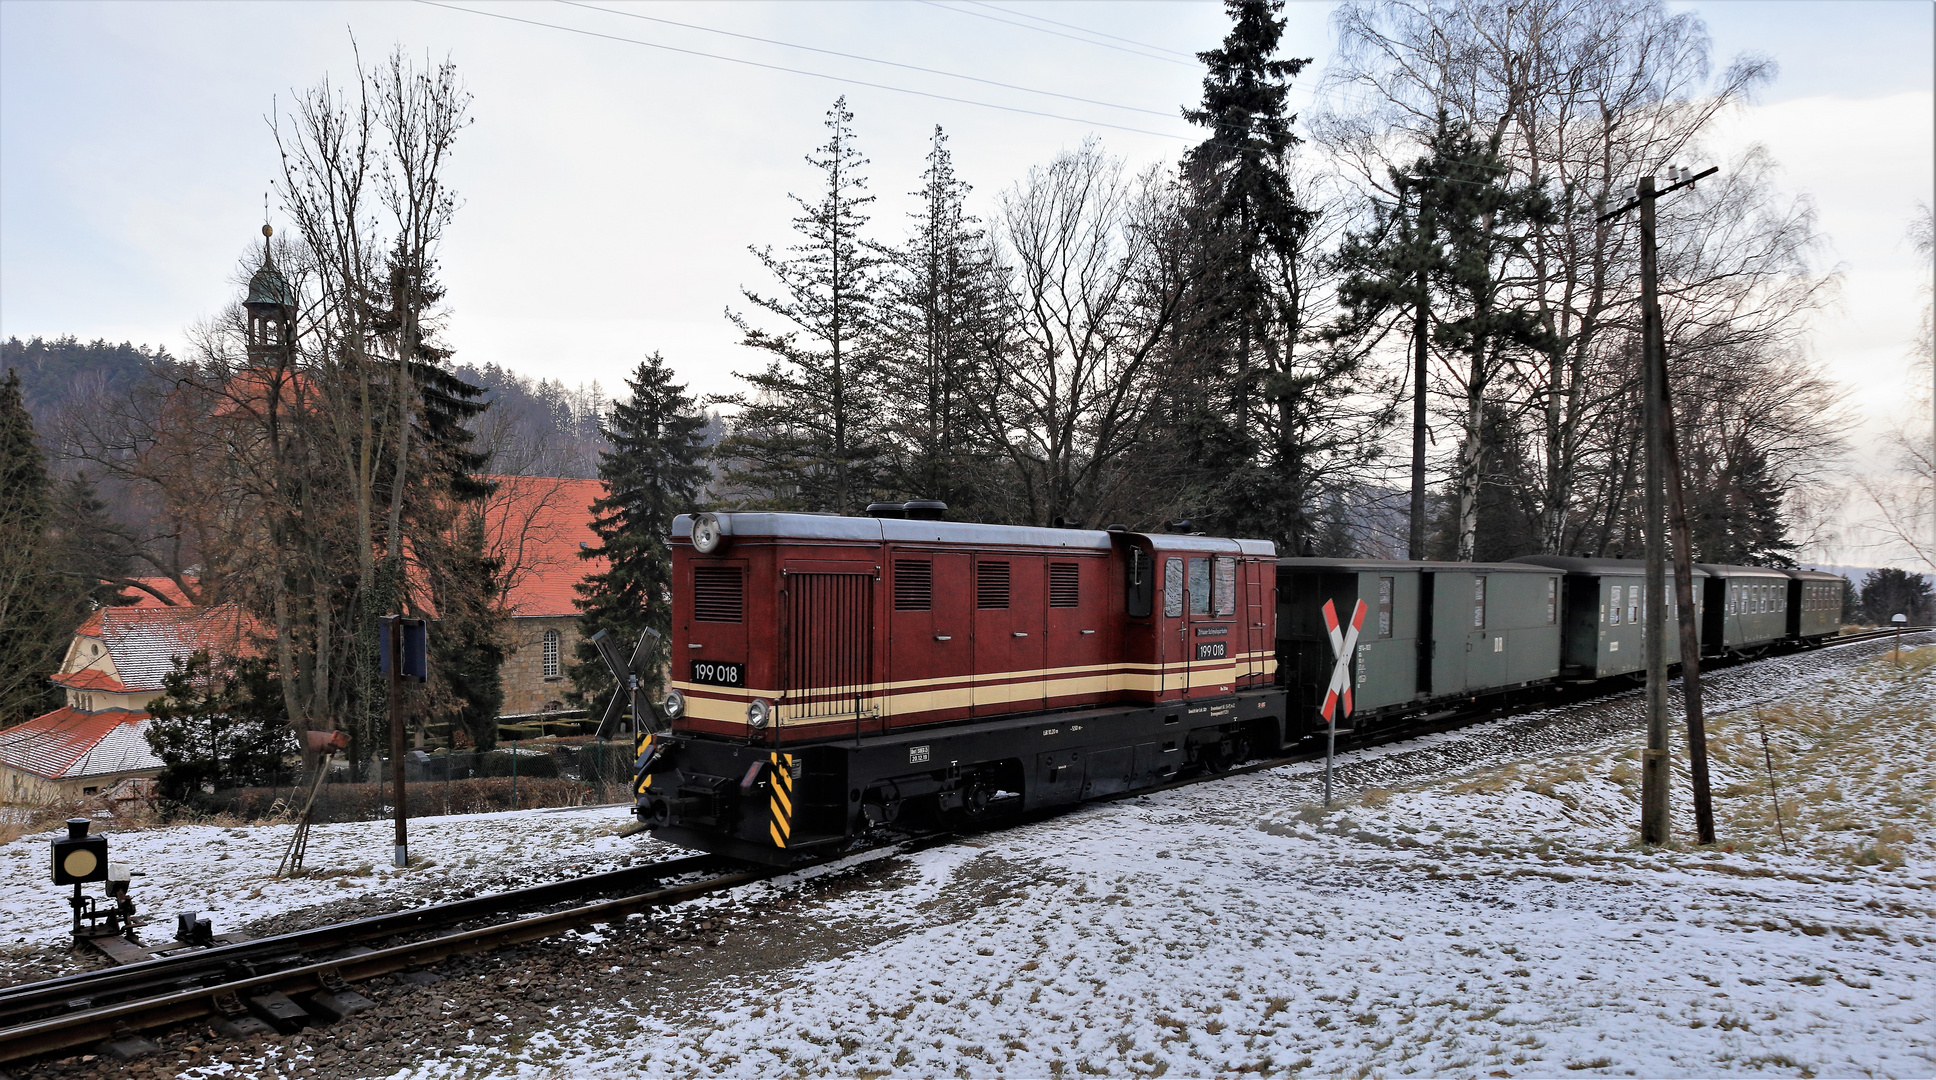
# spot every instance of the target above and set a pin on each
(1656, 776)
(1686, 604)
(395, 697)
(1421, 322)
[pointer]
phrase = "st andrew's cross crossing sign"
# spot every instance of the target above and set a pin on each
(1343, 644)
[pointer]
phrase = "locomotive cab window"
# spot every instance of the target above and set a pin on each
(1139, 585)
(1172, 587)
(1224, 587)
(1199, 586)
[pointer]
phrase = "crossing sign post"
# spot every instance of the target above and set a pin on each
(1337, 696)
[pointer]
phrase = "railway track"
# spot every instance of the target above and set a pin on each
(41, 1018)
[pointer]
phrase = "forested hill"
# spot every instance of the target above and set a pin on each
(55, 371)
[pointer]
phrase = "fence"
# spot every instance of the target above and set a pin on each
(512, 777)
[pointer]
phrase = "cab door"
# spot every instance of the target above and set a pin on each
(1210, 587)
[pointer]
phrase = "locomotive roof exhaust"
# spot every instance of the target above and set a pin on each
(925, 510)
(886, 510)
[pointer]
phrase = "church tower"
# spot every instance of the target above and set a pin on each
(272, 309)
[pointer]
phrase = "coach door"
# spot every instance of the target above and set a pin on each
(826, 650)
(1257, 643)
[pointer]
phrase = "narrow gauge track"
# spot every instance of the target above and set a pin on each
(57, 1014)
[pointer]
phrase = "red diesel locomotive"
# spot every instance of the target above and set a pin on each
(832, 676)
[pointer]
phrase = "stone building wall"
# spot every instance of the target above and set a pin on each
(527, 689)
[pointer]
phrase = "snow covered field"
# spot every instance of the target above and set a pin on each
(230, 871)
(1476, 904)
(1500, 922)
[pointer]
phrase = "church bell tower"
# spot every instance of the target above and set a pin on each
(272, 309)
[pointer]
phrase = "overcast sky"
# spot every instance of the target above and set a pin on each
(611, 188)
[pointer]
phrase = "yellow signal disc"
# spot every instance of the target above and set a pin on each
(80, 863)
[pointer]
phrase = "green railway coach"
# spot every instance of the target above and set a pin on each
(1814, 604)
(1431, 630)
(1606, 615)
(1747, 608)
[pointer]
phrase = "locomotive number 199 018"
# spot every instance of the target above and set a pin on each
(714, 673)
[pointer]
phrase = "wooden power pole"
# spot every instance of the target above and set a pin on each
(1663, 458)
(1655, 773)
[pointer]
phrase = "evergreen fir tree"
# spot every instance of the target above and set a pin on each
(806, 436)
(36, 603)
(1258, 401)
(940, 324)
(652, 473)
(220, 723)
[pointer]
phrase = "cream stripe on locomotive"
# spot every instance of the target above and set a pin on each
(933, 695)
(1266, 660)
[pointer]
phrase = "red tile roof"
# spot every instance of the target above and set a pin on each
(144, 599)
(538, 524)
(145, 641)
(91, 679)
(68, 743)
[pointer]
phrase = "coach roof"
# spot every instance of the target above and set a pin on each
(796, 526)
(1381, 566)
(1601, 567)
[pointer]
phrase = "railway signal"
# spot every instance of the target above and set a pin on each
(1337, 696)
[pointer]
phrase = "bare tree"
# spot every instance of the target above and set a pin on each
(1583, 97)
(1093, 290)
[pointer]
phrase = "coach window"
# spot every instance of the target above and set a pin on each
(1614, 607)
(1478, 603)
(1385, 587)
(1224, 587)
(1633, 604)
(1139, 588)
(1552, 601)
(1172, 587)
(1199, 586)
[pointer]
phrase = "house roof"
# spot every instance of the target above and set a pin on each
(91, 679)
(67, 744)
(144, 641)
(539, 524)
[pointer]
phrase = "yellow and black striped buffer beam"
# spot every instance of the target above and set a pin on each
(780, 802)
(641, 747)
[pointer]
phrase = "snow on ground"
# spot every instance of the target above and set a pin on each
(1497, 920)
(229, 871)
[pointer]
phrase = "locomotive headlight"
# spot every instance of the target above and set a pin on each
(758, 712)
(708, 532)
(674, 706)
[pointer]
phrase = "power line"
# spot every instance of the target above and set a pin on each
(800, 71)
(1057, 33)
(866, 59)
(1082, 29)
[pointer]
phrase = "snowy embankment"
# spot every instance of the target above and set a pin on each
(229, 871)
(1500, 920)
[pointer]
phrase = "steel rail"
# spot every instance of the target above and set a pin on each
(178, 971)
(76, 1029)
